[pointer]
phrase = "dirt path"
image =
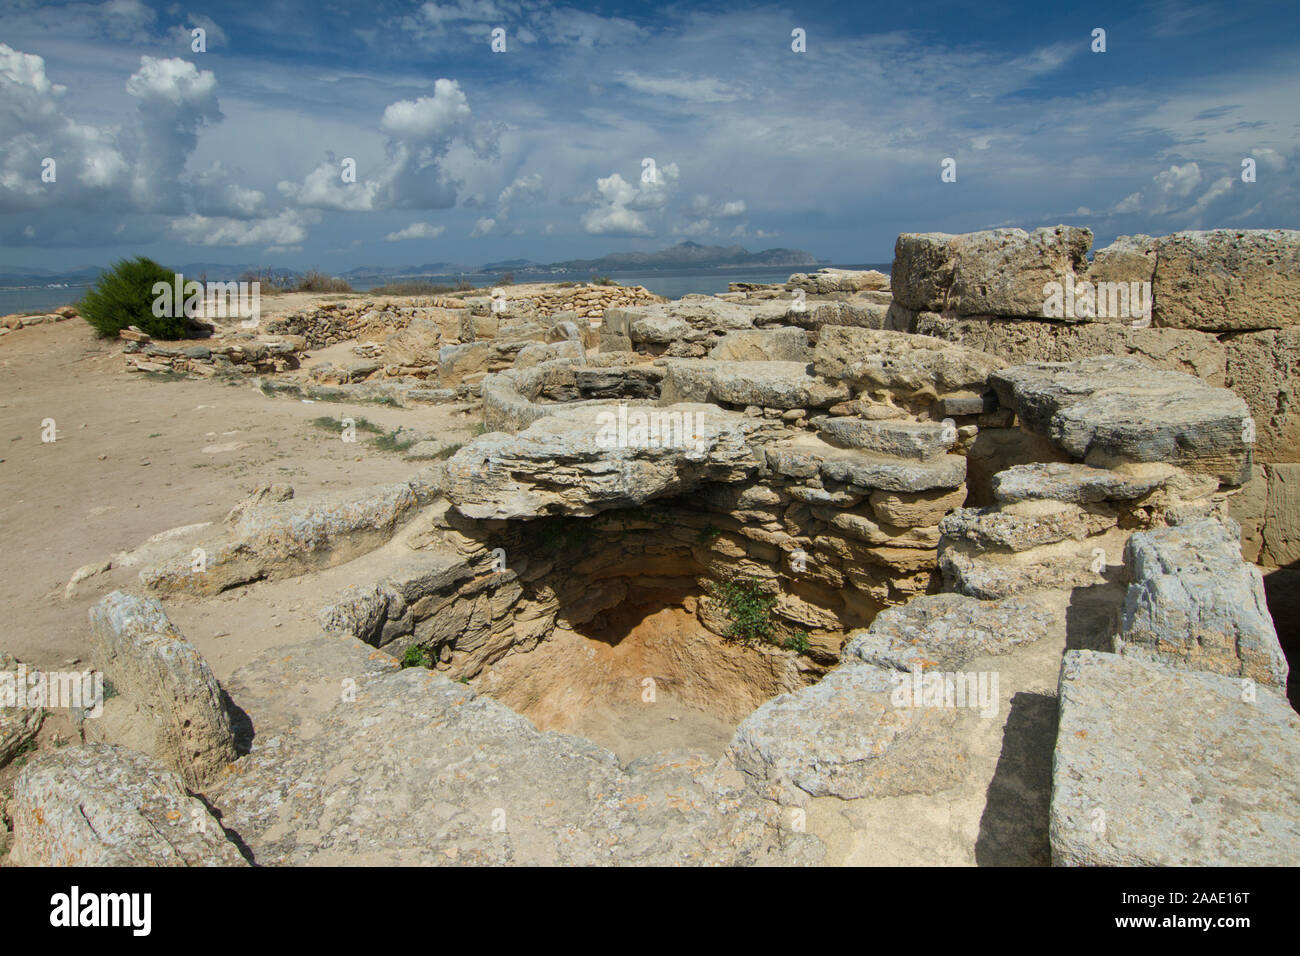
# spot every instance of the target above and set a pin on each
(135, 456)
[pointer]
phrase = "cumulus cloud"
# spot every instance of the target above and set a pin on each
(1179, 180)
(524, 187)
(416, 230)
(482, 228)
(420, 132)
(702, 205)
(175, 100)
(617, 206)
(288, 228)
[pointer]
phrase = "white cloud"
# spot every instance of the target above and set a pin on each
(286, 229)
(1130, 203)
(524, 187)
(1179, 180)
(702, 89)
(482, 228)
(416, 230)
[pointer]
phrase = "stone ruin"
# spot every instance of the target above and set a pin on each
(967, 576)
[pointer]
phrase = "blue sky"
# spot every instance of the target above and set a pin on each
(465, 155)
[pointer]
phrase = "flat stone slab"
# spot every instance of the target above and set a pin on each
(994, 529)
(900, 361)
(1070, 482)
(781, 385)
(919, 440)
(1194, 602)
(1107, 409)
(418, 769)
(808, 456)
(581, 461)
(943, 631)
(1160, 766)
(845, 737)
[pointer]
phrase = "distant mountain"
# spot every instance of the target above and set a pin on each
(684, 255)
(689, 255)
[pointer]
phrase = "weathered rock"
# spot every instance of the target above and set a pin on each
(1228, 280)
(994, 272)
(968, 569)
(1158, 766)
(1127, 259)
(807, 456)
(1195, 602)
(825, 281)
(421, 770)
(763, 345)
(289, 538)
(915, 509)
(18, 724)
(943, 631)
(97, 805)
(919, 440)
(1264, 369)
(767, 384)
(1069, 482)
(148, 661)
(844, 737)
(900, 362)
(585, 460)
(1109, 409)
(1017, 341)
(456, 362)
(993, 528)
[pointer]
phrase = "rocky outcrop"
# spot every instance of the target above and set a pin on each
(97, 805)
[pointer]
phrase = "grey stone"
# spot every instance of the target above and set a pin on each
(1158, 766)
(1194, 601)
(97, 805)
(943, 631)
(919, 440)
(150, 663)
(1109, 409)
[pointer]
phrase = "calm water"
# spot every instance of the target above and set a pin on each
(672, 285)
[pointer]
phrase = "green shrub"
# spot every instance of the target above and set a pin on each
(417, 656)
(412, 288)
(748, 609)
(124, 296)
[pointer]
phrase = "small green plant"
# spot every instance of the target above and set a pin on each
(393, 441)
(602, 280)
(798, 641)
(336, 425)
(708, 534)
(417, 656)
(748, 608)
(124, 296)
(411, 288)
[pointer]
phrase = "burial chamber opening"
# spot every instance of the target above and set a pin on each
(653, 628)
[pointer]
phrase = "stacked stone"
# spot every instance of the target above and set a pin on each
(12, 323)
(1224, 306)
(239, 352)
(591, 301)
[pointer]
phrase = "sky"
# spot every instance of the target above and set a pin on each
(600, 128)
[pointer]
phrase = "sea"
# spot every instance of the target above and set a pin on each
(672, 285)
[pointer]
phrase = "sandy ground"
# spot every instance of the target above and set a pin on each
(135, 456)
